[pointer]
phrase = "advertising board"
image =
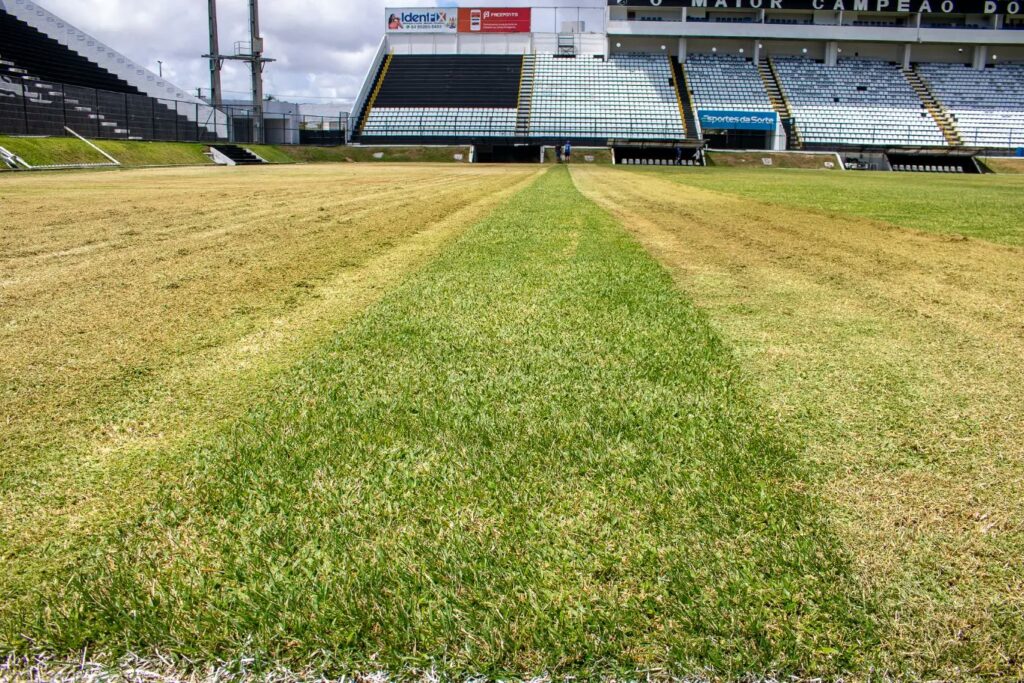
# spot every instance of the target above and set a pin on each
(494, 19)
(717, 119)
(422, 19)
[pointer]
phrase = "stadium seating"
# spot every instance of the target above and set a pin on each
(856, 102)
(445, 96)
(484, 81)
(987, 105)
(726, 83)
(48, 60)
(428, 96)
(623, 96)
(45, 86)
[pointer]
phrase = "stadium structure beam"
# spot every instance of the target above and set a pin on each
(215, 60)
(256, 64)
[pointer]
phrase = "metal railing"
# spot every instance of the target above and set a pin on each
(33, 107)
(482, 126)
(408, 126)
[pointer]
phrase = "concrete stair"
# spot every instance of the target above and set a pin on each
(932, 105)
(773, 88)
(240, 155)
(526, 81)
(686, 104)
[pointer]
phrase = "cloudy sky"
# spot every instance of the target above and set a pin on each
(323, 47)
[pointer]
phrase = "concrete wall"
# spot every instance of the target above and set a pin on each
(454, 43)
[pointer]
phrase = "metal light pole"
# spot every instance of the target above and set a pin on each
(215, 60)
(160, 67)
(256, 64)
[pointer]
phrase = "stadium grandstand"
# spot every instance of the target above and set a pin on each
(934, 78)
(931, 77)
(55, 76)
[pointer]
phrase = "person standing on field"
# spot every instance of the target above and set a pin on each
(568, 151)
(558, 153)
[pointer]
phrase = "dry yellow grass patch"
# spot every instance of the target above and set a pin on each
(138, 309)
(1005, 164)
(897, 356)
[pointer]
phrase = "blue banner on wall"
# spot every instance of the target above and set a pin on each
(718, 119)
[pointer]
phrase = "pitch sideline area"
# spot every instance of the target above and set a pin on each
(468, 424)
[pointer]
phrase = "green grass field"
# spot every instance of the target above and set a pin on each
(61, 151)
(501, 423)
(52, 151)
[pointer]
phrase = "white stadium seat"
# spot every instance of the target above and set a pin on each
(987, 105)
(726, 83)
(440, 122)
(856, 102)
(626, 96)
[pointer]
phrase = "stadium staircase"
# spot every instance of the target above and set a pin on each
(45, 86)
(240, 155)
(934, 107)
(378, 80)
(685, 95)
(526, 81)
(778, 99)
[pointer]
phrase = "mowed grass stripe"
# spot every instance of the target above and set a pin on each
(896, 355)
(96, 430)
(535, 456)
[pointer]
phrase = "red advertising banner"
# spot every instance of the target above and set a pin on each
(494, 20)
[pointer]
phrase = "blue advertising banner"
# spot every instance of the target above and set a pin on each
(716, 119)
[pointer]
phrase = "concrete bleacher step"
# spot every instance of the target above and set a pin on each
(685, 94)
(773, 87)
(526, 83)
(239, 155)
(933, 107)
(382, 71)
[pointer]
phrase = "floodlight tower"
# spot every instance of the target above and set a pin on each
(251, 53)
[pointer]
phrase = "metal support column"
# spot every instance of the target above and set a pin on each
(254, 57)
(215, 60)
(256, 63)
